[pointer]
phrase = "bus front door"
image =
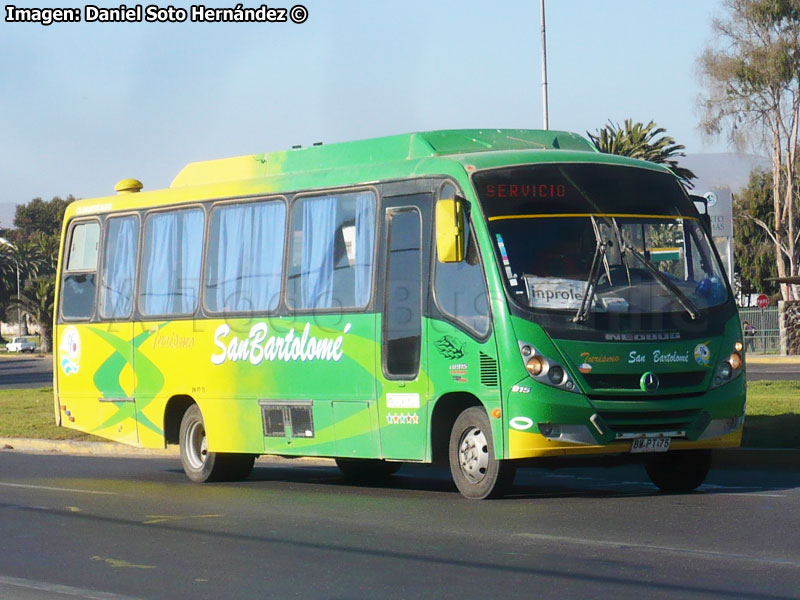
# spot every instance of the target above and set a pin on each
(403, 390)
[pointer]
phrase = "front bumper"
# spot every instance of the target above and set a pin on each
(549, 422)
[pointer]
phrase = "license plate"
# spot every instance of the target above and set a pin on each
(650, 444)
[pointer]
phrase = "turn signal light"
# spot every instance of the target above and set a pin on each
(535, 365)
(738, 346)
(735, 360)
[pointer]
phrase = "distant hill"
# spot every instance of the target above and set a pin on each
(7, 211)
(727, 169)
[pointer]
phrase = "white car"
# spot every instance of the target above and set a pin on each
(20, 344)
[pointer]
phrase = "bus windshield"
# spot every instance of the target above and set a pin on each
(599, 238)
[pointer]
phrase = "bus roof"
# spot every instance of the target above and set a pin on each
(427, 144)
(361, 161)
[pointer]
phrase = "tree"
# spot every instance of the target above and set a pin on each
(31, 248)
(39, 216)
(756, 262)
(19, 262)
(638, 140)
(38, 301)
(752, 80)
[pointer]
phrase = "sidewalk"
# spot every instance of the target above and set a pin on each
(771, 359)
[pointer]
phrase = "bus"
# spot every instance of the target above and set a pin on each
(482, 299)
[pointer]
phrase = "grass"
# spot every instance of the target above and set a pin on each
(773, 415)
(31, 414)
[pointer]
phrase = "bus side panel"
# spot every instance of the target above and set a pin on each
(95, 379)
(298, 386)
(458, 363)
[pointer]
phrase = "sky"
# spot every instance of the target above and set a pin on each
(84, 105)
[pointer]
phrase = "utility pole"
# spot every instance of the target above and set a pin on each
(546, 118)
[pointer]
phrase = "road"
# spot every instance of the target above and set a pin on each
(93, 527)
(35, 371)
(26, 371)
(773, 371)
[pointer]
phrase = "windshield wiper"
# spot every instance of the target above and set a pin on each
(664, 281)
(591, 285)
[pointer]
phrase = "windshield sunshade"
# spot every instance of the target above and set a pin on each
(599, 238)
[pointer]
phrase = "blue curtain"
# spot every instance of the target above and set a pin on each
(245, 257)
(365, 243)
(173, 251)
(319, 229)
(119, 267)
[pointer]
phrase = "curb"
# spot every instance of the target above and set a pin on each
(758, 458)
(113, 449)
(771, 359)
(73, 447)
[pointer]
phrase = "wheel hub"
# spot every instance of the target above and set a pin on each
(196, 445)
(473, 454)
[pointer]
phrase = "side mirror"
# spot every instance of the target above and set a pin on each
(702, 202)
(450, 230)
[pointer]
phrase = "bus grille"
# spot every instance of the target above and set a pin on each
(667, 381)
(488, 370)
(641, 422)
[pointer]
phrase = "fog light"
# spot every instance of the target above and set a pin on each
(735, 361)
(535, 365)
(526, 351)
(549, 430)
(556, 375)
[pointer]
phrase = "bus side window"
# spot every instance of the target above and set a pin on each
(173, 248)
(245, 257)
(460, 288)
(332, 251)
(78, 283)
(119, 267)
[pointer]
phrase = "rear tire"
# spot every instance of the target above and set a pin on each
(679, 470)
(476, 471)
(199, 464)
(367, 469)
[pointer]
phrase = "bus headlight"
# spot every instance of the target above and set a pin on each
(545, 370)
(556, 375)
(729, 369)
(535, 366)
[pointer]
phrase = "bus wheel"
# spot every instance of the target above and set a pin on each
(680, 470)
(365, 469)
(476, 472)
(199, 464)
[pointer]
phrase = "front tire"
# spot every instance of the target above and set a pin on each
(680, 470)
(476, 471)
(199, 464)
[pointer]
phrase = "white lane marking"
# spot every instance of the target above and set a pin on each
(64, 590)
(55, 489)
(619, 545)
(751, 494)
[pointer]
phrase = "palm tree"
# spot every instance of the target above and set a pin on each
(641, 141)
(38, 301)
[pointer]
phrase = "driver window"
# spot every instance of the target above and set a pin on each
(460, 288)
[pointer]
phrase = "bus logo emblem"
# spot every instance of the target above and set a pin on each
(649, 382)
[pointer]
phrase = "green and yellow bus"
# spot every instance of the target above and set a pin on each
(477, 298)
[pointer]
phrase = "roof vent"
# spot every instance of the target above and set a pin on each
(128, 186)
